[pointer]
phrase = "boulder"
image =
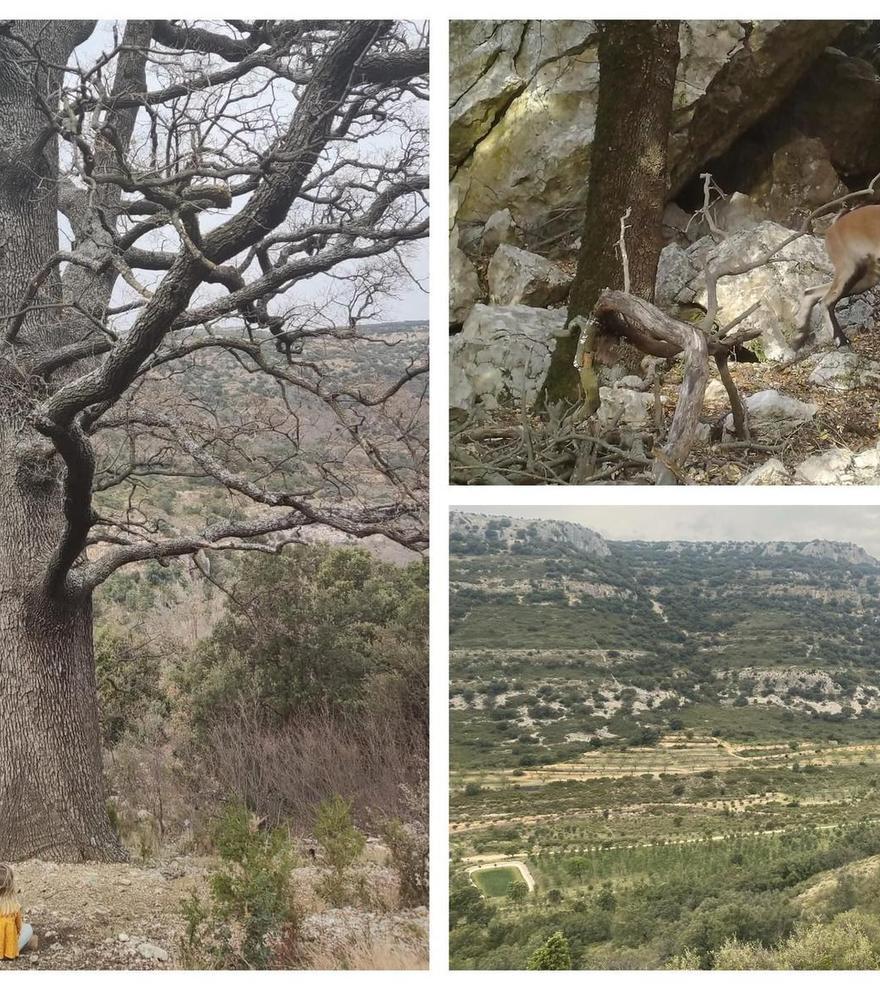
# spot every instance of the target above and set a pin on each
(771, 472)
(149, 951)
(499, 229)
(630, 381)
(841, 466)
(851, 139)
(772, 414)
(715, 391)
(623, 408)
(464, 285)
(778, 287)
(738, 212)
(516, 276)
(844, 370)
(801, 177)
(502, 351)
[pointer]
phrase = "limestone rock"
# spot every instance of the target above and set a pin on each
(523, 104)
(778, 287)
(464, 285)
(625, 408)
(844, 370)
(715, 391)
(499, 229)
(502, 350)
(852, 139)
(149, 951)
(841, 466)
(516, 276)
(772, 414)
(771, 472)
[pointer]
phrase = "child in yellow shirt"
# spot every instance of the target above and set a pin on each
(14, 933)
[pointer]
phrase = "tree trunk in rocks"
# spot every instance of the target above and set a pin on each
(52, 800)
(637, 65)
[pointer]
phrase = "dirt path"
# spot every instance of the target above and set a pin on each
(123, 917)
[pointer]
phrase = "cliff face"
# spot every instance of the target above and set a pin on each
(523, 104)
(505, 533)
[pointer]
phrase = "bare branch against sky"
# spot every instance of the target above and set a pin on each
(859, 524)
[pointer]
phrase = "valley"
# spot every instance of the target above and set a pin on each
(679, 740)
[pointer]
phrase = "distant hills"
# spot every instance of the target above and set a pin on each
(582, 641)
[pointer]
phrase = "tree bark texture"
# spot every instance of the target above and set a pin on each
(52, 800)
(637, 66)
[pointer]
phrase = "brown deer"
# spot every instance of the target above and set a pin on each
(853, 245)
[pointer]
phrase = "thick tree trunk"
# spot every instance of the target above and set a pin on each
(637, 66)
(52, 800)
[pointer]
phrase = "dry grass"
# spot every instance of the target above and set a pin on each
(366, 953)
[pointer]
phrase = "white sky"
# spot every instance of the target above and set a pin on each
(859, 524)
(410, 301)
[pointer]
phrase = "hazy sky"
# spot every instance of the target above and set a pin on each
(410, 302)
(858, 524)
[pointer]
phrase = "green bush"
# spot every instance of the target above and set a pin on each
(251, 901)
(553, 954)
(342, 843)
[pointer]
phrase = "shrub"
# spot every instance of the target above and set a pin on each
(342, 843)
(553, 954)
(251, 901)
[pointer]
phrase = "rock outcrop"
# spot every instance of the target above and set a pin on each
(523, 104)
(502, 350)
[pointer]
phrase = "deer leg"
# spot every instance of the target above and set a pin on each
(833, 297)
(809, 300)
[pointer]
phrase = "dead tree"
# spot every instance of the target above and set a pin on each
(203, 172)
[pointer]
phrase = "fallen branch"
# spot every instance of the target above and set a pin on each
(639, 319)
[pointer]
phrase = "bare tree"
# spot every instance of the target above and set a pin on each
(165, 200)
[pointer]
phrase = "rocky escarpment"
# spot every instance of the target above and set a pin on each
(765, 107)
(523, 104)
(504, 533)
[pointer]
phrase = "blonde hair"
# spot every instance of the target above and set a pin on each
(8, 902)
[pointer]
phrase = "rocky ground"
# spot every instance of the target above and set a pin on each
(128, 917)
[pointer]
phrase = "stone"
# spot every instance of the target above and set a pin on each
(499, 229)
(831, 467)
(738, 212)
(523, 98)
(464, 285)
(715, 391)
(772, 414)
(852, 139)
(777, 287)
(771, 472)
(146, 950)
(800, 178)
(630, 381)
(625, 408)
(516, 276)
(844, 370)
(502, 351)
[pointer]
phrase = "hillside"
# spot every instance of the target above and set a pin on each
(631, 719)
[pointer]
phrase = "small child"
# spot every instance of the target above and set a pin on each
(14, 934)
